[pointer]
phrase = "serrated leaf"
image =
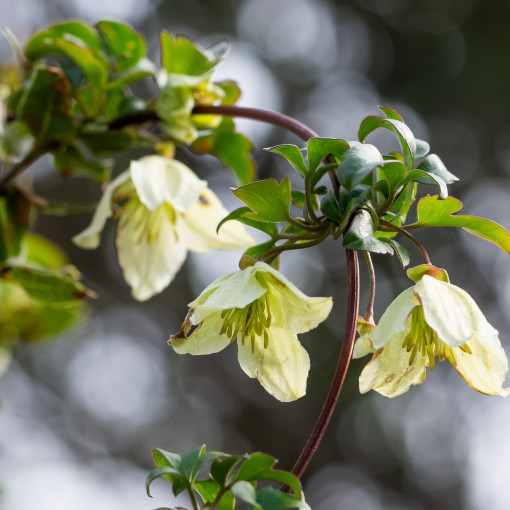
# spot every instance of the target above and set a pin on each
(358, 162)
(319, 148)
(361, 235)
(439, 213)
(331, 208)
(71, 161)
(231, 148)
(432, 164)
(259, 466)
(422, 148)
(46, 285)
(268, 199)
(426, 178)
(49, 119)
(293, 155)
(124, 46)
(238, 215)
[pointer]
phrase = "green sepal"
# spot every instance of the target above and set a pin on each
(268, 228)
(432, 212)
(320, 148)
(361, 235)
(416, 273)
(268, 199)
(71, 161)
(293, 155)
(231, 148)
(433, 165)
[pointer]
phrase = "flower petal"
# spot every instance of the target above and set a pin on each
(205, 339)
(200, 222)
(289, 306)
(394, 318)
(389, 373)
(486, 367)
(158, 180)
(362, 347)
(450, 311)
(90, 237)
(149, 252)
(282, 368)
(237, 291)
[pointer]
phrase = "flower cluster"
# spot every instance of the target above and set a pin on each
(163, 210)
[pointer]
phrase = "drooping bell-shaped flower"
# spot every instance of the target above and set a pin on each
(431, 319)
(265, 312)
(164, 210)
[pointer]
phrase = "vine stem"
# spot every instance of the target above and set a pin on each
(369, 314)
(304, 132)
(400, 230)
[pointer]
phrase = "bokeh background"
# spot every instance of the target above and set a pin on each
(80, 415)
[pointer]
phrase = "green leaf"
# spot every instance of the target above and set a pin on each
(331, 208)
(422, 148)
(402, 253)
(49, 119)
(192, 462)
(268, 199)
(14, 219)
(390, 113)
(394, 172)
(361, 235)
(274, 499)
(299, 199)
(71, 161)
(405, 137)
(358, 162)
(438, 213)
(257, 250)
(163, 458)
(46, 285)
(166, 471)
(182, 56)
(416, 273)
(238, 215)
(102, 141)
(259, 466)
(221, 469)
(433, 165)
(246, 492)
(123, 45)
(174, 106)
(293, 155)
(81, 43)
(321, 171)
(231, 91)
(319, 148)
(231, 148)
(368, 125)
(426, 178)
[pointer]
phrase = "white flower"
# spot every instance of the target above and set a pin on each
(432, 318)
(264, 311)
(166, 210)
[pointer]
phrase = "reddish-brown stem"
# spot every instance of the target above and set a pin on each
(344, 359)
(341, 368)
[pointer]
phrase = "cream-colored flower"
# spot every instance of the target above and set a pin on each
(265, 312)
(432, 318)
(164, 211)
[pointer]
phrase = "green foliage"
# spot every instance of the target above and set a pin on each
(227, 478)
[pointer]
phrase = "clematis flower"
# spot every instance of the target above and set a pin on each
(431, 319)
(164, 210)
(264, 311)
